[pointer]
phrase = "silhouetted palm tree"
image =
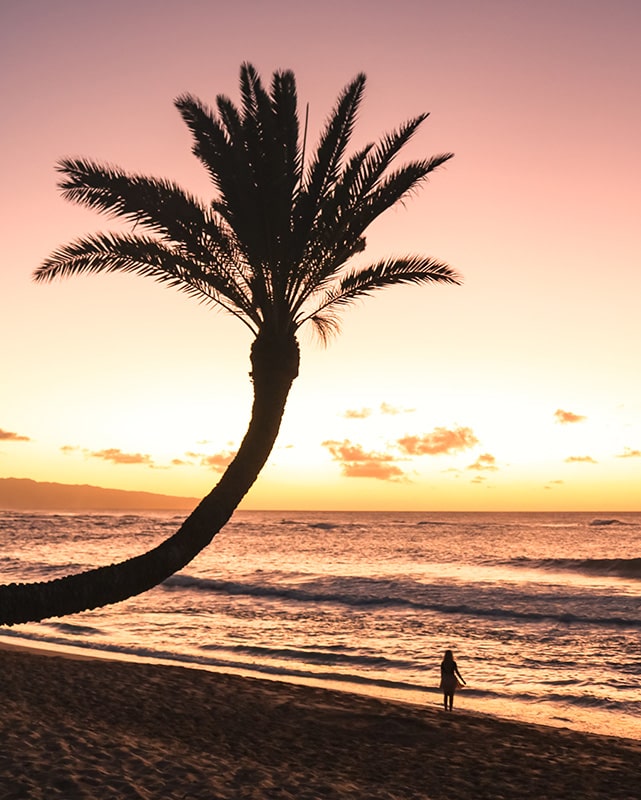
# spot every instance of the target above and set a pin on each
(273, 249)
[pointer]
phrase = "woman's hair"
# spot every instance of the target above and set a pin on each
(449, 656)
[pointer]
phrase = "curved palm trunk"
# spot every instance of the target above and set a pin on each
(274, 368)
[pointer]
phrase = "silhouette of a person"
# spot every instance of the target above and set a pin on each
(451, 679)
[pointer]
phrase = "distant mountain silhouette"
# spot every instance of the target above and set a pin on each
(23, 494)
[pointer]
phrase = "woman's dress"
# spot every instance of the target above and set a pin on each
(449, 681)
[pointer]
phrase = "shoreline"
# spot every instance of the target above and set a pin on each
(77, 726)
(589, 721)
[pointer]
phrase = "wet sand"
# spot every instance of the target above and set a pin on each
(107, 730)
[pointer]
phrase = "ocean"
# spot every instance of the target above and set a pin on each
(542, 610)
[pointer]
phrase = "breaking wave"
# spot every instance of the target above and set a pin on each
(607, 567)
(347, 592)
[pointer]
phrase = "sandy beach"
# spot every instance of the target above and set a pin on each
(88, 728)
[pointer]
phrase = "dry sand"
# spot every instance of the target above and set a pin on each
(74, 728)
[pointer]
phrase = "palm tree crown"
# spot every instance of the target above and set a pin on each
(274, 245)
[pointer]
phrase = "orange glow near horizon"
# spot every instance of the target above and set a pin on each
(519, 390)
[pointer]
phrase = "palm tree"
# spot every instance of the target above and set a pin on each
(274, 248)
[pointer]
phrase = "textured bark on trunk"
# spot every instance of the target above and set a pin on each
(275, 362)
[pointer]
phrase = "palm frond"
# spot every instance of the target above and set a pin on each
(270, 126)
(285, 104)
(309, 260)
(359, 198)
(340, 227)
(382, 194)
(360, 282)
(325, 326)
(229, 116)
(146, 256)
(158, 204)
(325, 165)
(379, 160)
(220, 148)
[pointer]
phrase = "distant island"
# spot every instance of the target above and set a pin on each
(23, 494)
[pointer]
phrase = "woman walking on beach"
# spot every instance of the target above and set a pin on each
(451, 679)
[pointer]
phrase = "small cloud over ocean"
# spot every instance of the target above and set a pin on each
(628, 452)
(484, 462)
(438, 442)
(10, 436)
(116, 456)
(358, 463)
(567, 417)
(358, 413)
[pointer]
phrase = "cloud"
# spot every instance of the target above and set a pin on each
(112, 454)
(386, 408)
(567, 417)
(118, 457)
(484, 461)
(346, 451)
(373, 469)
(441, 440)
(362, 413)
(218, 462)
(580, 460)
(9, 436)
(358, 463)
(628, 452)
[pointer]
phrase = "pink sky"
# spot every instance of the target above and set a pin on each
(519, 390)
